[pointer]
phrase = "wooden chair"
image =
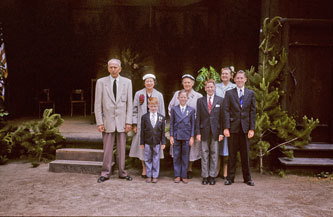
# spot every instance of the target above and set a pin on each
(45, 100)
(77, 97)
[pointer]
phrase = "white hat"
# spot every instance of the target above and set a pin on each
(148, 76)
(188, 76)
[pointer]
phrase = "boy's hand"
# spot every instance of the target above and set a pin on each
(191, 141)
(226, 132)
(171, 140)
(199, 137)
(220, 138)
(250, 134)
(134, 129)
(163, 146)
(142, 147)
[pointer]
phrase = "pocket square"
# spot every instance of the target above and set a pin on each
(217, 105)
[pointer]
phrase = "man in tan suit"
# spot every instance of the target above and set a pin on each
(113, 112)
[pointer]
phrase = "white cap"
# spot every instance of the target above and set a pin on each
(148, 76)
(188, 76)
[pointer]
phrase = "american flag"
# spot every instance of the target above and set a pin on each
(3, 65)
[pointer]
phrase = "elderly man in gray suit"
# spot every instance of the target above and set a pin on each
(113, 112)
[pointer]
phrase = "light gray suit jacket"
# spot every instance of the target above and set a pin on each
(113, 113)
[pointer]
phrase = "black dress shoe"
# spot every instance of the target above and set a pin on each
(189, 174)
(250, 183)
(143, 176)
(212, 181)
(204, 181)
(228, 182)
(128, 178)
(102, 179)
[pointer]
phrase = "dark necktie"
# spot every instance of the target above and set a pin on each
(183, 110)
(209, 104)
(115, 88)
(241, 97)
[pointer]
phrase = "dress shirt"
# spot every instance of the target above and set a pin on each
(212, 99)
(155, 118)
(182, 108)
(238, 91)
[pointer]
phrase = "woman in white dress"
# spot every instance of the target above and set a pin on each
(140, 107)
(221, 88)
(195, 150)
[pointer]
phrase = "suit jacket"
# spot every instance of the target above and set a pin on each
(113, 113)
(182, 124)
(152, 135)
(209, 122)
(235, 116)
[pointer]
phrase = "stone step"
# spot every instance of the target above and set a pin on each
(307, 165)
(80, 154)
(83, 140)
(75, 166)
(313, 150)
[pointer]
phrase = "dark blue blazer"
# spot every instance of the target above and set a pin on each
(235, 116)
(182, 124)
(150, 135)
(209, 122)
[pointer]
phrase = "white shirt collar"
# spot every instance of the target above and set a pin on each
(182, 107)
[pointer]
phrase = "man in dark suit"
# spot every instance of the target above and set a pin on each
(209, 130)
(152, 139)
(239, 118)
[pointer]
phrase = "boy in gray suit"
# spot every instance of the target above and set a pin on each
(209, 130)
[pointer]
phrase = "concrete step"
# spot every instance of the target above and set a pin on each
(313, 150)
(307, 165)
(75, 166)
(80, 154)
(83, 140)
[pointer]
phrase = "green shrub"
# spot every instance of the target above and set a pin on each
(40, 139)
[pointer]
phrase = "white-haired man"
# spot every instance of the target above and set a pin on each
(113, 113)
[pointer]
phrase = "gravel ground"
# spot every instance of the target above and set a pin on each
(38, 192)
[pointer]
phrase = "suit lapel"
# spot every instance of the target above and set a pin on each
(120, 88)
(214, 102)
(246, 96)
(205, 105)
(235, 96)
(107, 85)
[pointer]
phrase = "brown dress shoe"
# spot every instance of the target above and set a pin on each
(177, 180)
(148, 180)
(154, 180)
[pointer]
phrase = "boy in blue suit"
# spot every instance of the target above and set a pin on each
(182, 121)
(209, 130)
(152, 139)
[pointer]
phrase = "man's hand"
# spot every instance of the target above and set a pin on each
(163, 146)
(250, 134)
(226, 133)
(142, 147)
(100, 128)
(172, 141)
(128, 128)
(199, 137)
(191, 141)
(220, 138)
(134, 129)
